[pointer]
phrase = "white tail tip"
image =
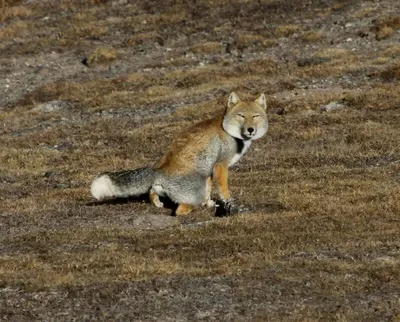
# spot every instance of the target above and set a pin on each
(102, 188)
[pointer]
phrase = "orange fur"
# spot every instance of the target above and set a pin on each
(154, 198)
(180, 157)
(221, 177)
(183, 209)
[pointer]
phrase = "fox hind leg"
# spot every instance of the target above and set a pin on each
(155, 199)
(183, 209)
(187, 191)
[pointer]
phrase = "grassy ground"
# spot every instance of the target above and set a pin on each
(320, 240)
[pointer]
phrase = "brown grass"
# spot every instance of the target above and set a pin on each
(248, 40)
(392, 51)
(14, 29)
(286, 30)
(141, 38)
(385, 26)
(384, 32)
(208, 48)
(365, 12)
(102, 55)
(311, 36)
(320, 237)
(10, 12)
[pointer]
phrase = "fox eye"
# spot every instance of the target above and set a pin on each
(256, 115)
(240, 115)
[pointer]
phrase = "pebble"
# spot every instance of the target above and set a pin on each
(51, 106)
(332, 106)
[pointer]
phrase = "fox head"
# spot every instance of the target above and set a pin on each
(246, 120)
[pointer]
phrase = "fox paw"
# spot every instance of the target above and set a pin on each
(209, 203)
(225, 207)
(158, 204)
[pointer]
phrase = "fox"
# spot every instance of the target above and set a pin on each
(197, 156)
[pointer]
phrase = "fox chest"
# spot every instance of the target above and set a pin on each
(241, 149)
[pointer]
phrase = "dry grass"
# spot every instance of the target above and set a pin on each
(18, 28)
(11, 12)
(385, 26)
(249, 40)
(101, 55)
(286, 30)
(364, 12)
(384, 32)
(392, 51)
(311, 36)
(208, 48)
(142, 38)
(320, 237)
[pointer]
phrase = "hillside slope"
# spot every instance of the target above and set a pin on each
(93, 86)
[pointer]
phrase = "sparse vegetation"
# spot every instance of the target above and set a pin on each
(320, 237)
(208, 48)
(311, 36)
(385, 26)
(286, 30)
(101, 55)
(384, 32)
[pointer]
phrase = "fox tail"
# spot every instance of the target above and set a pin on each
(122, 184)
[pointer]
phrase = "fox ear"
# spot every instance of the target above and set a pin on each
(233, 100)
(262, 101)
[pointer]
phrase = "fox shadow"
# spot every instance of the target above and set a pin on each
(243, 208)
(168, 203)
(220, 209)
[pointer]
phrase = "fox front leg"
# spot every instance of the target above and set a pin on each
(226, 205)
(208, 201)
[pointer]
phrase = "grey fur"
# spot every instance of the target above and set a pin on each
(123, 183)
(139, 179)
(189, 189)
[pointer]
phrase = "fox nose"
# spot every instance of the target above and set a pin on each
(250, 130)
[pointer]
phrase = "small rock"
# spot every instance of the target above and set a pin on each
(332, 106)
(202, 315)
(49, 174)
(362, 34)
(160, 40)
(51, 106)
(63, 146)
